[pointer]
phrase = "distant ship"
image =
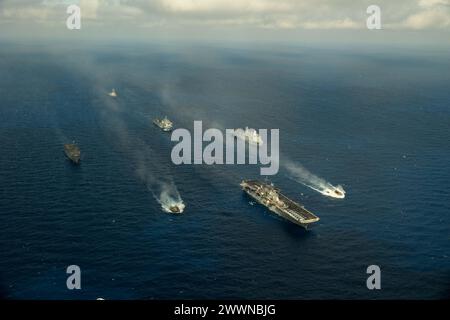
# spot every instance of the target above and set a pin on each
(337, 192)
(175, 209)
(165, 124)
(72, 152)
(113, 93)
(249, 135)
(271, 197)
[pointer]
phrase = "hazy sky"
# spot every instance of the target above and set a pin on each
(230, 18)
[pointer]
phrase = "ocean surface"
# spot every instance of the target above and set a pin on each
(376, 121)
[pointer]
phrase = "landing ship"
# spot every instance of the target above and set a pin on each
(72, 152)
(271, 198)
(165, 124)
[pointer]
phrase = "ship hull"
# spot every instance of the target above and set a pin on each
(279, 212)
(302, 217)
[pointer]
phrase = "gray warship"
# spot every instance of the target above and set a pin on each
(271, 197)
(72, 152)
(165, 124)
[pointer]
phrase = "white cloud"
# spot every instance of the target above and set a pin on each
(431, 14)
(275, 14)
(333, 24)
(89, 8)
(429, 19)
(431, 3)
(254, 6)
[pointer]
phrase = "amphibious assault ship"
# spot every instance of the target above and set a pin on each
(72, 152)
(165, 124)
(271, 197)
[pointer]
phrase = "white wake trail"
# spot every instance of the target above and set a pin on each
(310, 180)
(169, 197)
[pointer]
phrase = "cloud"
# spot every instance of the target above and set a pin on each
(208, 6)
(432, 18)
(432, 3)
(333, 24)
(434, 14)
(90, 8)
(274, 14)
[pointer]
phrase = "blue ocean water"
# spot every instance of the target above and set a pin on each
(375, 121)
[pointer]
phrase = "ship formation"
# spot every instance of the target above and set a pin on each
(264, 193)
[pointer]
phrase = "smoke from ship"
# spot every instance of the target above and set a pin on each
(305, 177)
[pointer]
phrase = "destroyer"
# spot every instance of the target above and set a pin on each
(72, 152)
(165, 124)
(270, 197)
